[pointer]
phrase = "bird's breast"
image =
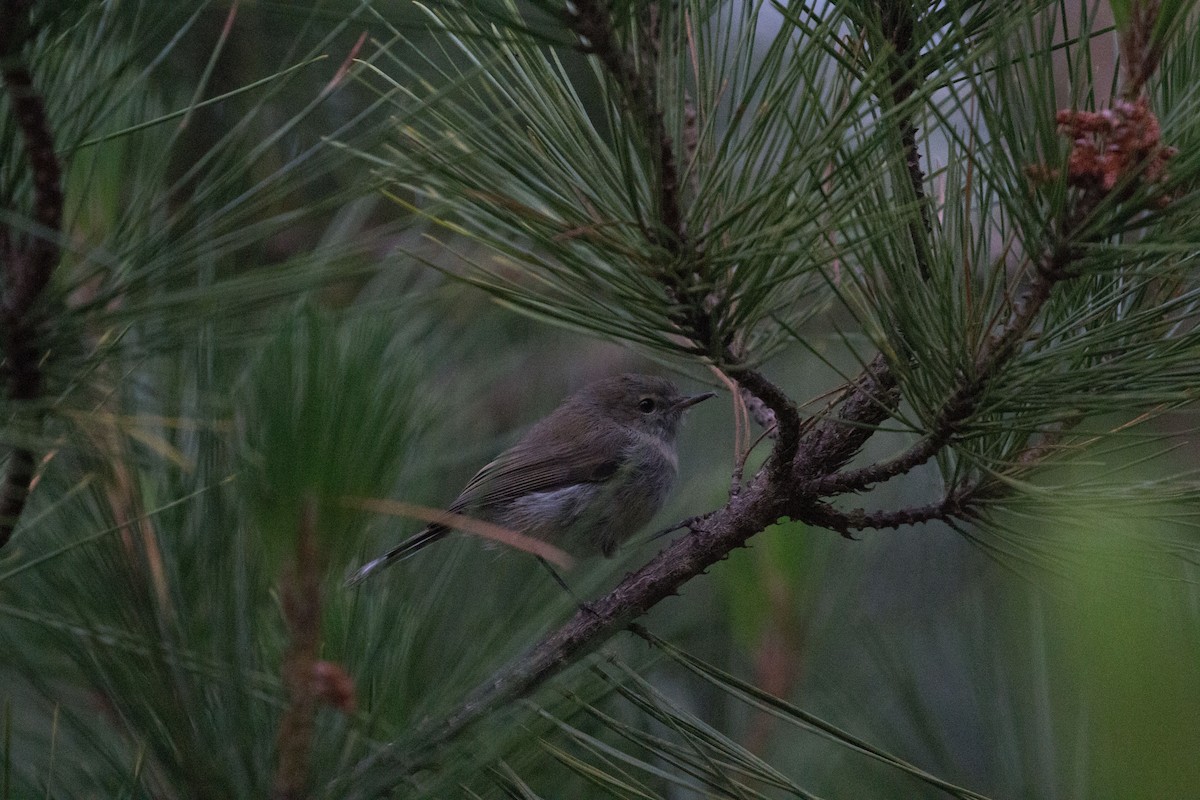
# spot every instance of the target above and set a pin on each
(594, 517)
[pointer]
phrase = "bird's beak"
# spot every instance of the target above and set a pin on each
(688, 402)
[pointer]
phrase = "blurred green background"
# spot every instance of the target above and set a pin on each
(243, 315)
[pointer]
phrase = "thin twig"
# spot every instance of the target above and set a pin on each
(787, 417)
(961, 503)
(898, 22)
(958, 504)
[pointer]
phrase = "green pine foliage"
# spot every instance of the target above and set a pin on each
(291, 260)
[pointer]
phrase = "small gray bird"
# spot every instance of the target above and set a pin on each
(585, 478)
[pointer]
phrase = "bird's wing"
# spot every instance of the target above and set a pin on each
(534, 467)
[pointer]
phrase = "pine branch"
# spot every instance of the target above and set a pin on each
(591, 20)
(955, 505)
(897, 22)
(870, 400)
(897, 19)
(26, 261)
(942, 431)
(1054, 267)
(786, 417)
(962, 503)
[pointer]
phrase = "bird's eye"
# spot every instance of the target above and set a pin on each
(646, 405)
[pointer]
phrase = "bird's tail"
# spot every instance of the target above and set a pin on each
(398, 553)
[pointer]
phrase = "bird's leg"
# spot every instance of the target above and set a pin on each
(582, 606)
(688, 523)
